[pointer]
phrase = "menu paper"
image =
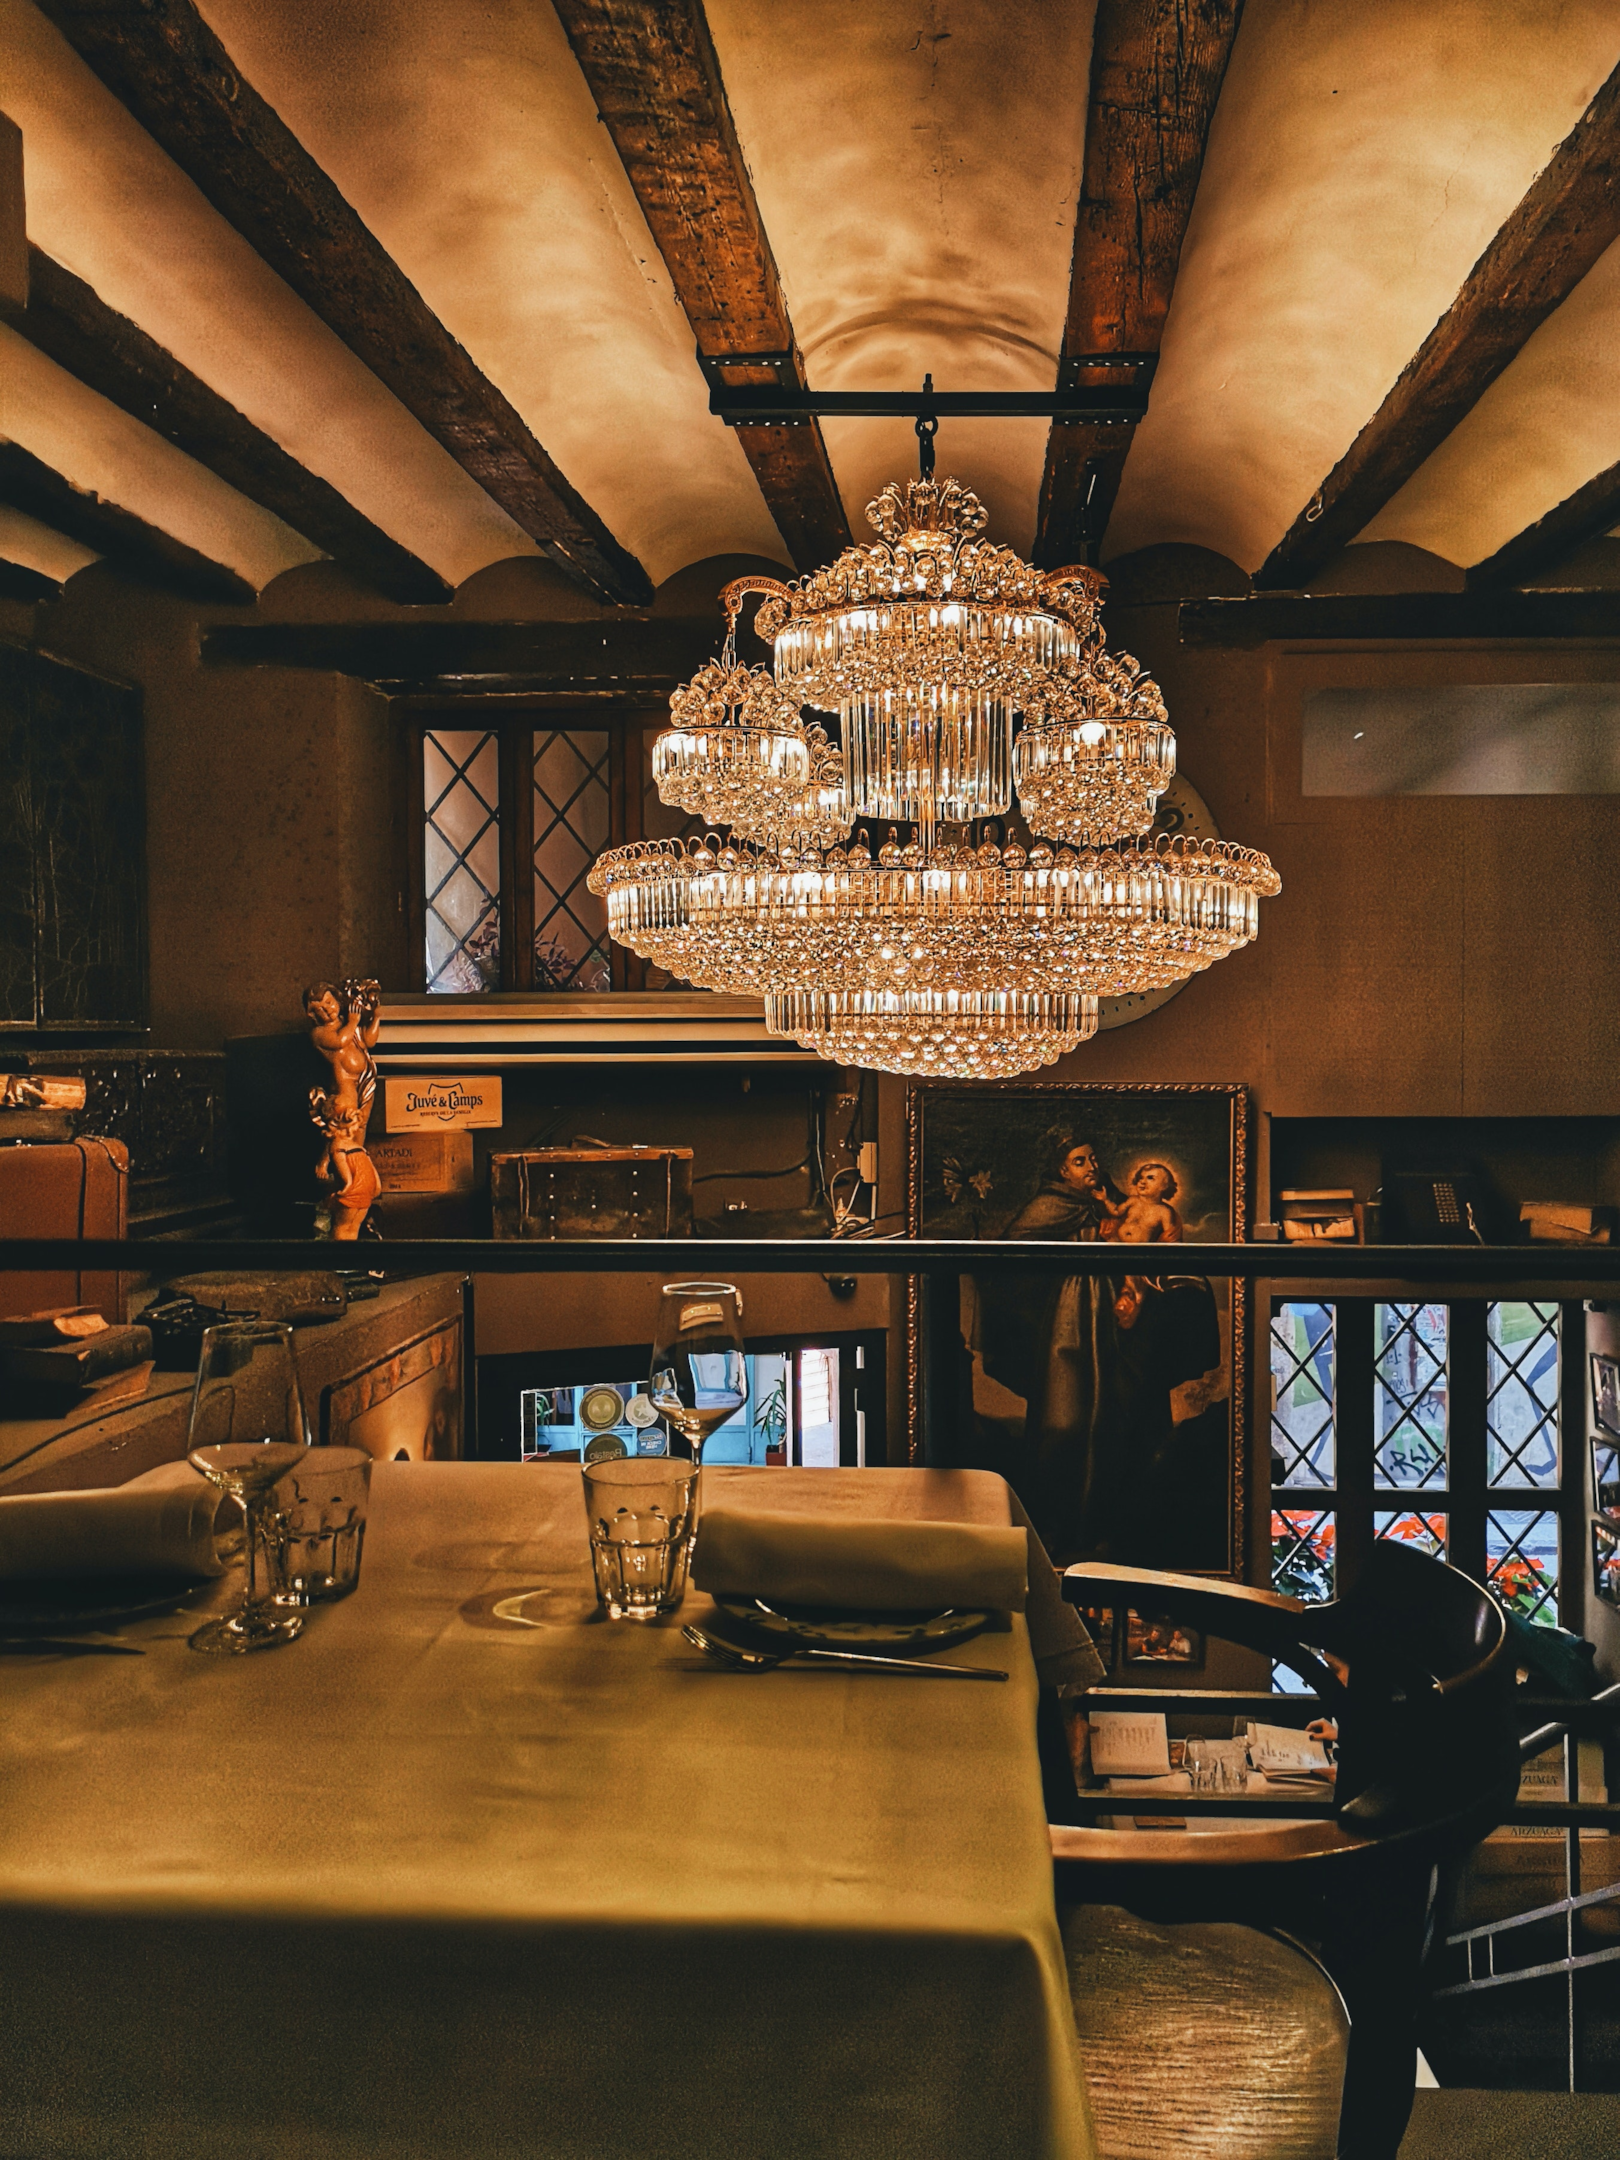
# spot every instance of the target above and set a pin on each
(1129, 1743)
(1279, 1749)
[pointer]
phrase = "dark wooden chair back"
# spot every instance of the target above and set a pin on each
(1413, 1664)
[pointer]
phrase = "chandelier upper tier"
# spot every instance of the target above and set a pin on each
(948, 953)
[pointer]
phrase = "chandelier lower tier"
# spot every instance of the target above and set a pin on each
(934, 1034)
(960, 676)
(1102, 923)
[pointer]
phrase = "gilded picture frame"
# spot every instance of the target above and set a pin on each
(1116, 1406)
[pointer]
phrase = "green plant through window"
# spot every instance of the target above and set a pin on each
(1302, 1543)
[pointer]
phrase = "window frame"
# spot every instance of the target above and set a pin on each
(630, 728)
(1354, 1497)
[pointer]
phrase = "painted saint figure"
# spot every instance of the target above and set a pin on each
(345, 1020)
(1118, 1372)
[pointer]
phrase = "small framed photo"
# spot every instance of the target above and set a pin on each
(1150, 1640)
(1606, 1562)
(1606, 1476)
(1606, 1392)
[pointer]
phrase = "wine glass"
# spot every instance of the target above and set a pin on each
(698, 1377)
(248, 1429)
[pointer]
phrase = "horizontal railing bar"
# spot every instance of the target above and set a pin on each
(1565, 1815)
(1541, 1815)
(1540, 1912)
(1485, 1265)
(1531, 1972)
(1196, 1702)
(1291, 1807)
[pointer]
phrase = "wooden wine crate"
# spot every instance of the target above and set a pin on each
(592, 1192)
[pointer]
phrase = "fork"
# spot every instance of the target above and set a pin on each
(735, 1660)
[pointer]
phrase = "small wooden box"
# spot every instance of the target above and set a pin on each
(424, 1162)
(592, 1192)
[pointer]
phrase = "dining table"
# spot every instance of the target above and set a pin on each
(471, 1871)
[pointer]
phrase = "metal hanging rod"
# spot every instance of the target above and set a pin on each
(786, 402)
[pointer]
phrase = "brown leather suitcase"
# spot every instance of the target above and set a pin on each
(79, 1188)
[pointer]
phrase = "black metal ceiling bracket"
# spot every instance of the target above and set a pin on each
(787, 403)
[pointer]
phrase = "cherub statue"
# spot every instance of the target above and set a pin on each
(345, 1021)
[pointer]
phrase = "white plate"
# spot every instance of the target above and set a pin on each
(91, 1603)
(826, 1627)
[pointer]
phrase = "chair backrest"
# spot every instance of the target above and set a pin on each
(1426, 1732)
(1413, 1663)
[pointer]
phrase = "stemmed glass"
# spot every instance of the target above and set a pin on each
(698, 1377)
(248, 1429)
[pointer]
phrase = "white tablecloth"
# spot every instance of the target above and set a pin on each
(425, 1883)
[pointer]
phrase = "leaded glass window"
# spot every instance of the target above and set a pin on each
(461, 796)
(1426, 1532)
(1302, 1543)
(1521, 1394)
(1431, 1425)
(1521, 1561)
(514, 815)
(1410, 1394)
(572, 825)
(1302, 1385)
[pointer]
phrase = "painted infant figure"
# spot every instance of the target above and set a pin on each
(1145, 1216)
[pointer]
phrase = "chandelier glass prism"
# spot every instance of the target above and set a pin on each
(949, 953)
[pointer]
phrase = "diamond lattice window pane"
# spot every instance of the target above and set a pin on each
(1302, 1543)
(1302, 1394)
(1424, 1532)
(461, 795)
(1521, 1394)
(1521, 1561)
(1409, 1394)
(572, 825)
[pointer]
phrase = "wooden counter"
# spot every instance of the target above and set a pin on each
(388, 1376)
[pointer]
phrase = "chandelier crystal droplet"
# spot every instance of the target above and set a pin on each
(934, 957)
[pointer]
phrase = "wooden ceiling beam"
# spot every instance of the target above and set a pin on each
(1587, 514)
(1567, 218)
(1156, 71)
(1477, 617)
(651, 67)
(126, 541)
(634, 656)
(70, 324)
(162, 61)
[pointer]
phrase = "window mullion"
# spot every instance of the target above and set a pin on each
(1574, 1414)
(1355, 1464)
(1466, 1438)
(518, 745)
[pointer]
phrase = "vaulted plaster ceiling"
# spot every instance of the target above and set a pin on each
(918, 169)
(916, 165)
(1360, 160)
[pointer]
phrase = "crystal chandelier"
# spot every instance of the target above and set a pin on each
(939, 956)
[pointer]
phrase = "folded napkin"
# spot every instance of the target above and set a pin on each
(160, 1523)
(871, 1566)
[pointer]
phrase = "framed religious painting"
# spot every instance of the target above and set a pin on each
(1113, 1403)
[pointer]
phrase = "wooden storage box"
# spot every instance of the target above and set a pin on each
(592, 1192)
(423, 1162)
